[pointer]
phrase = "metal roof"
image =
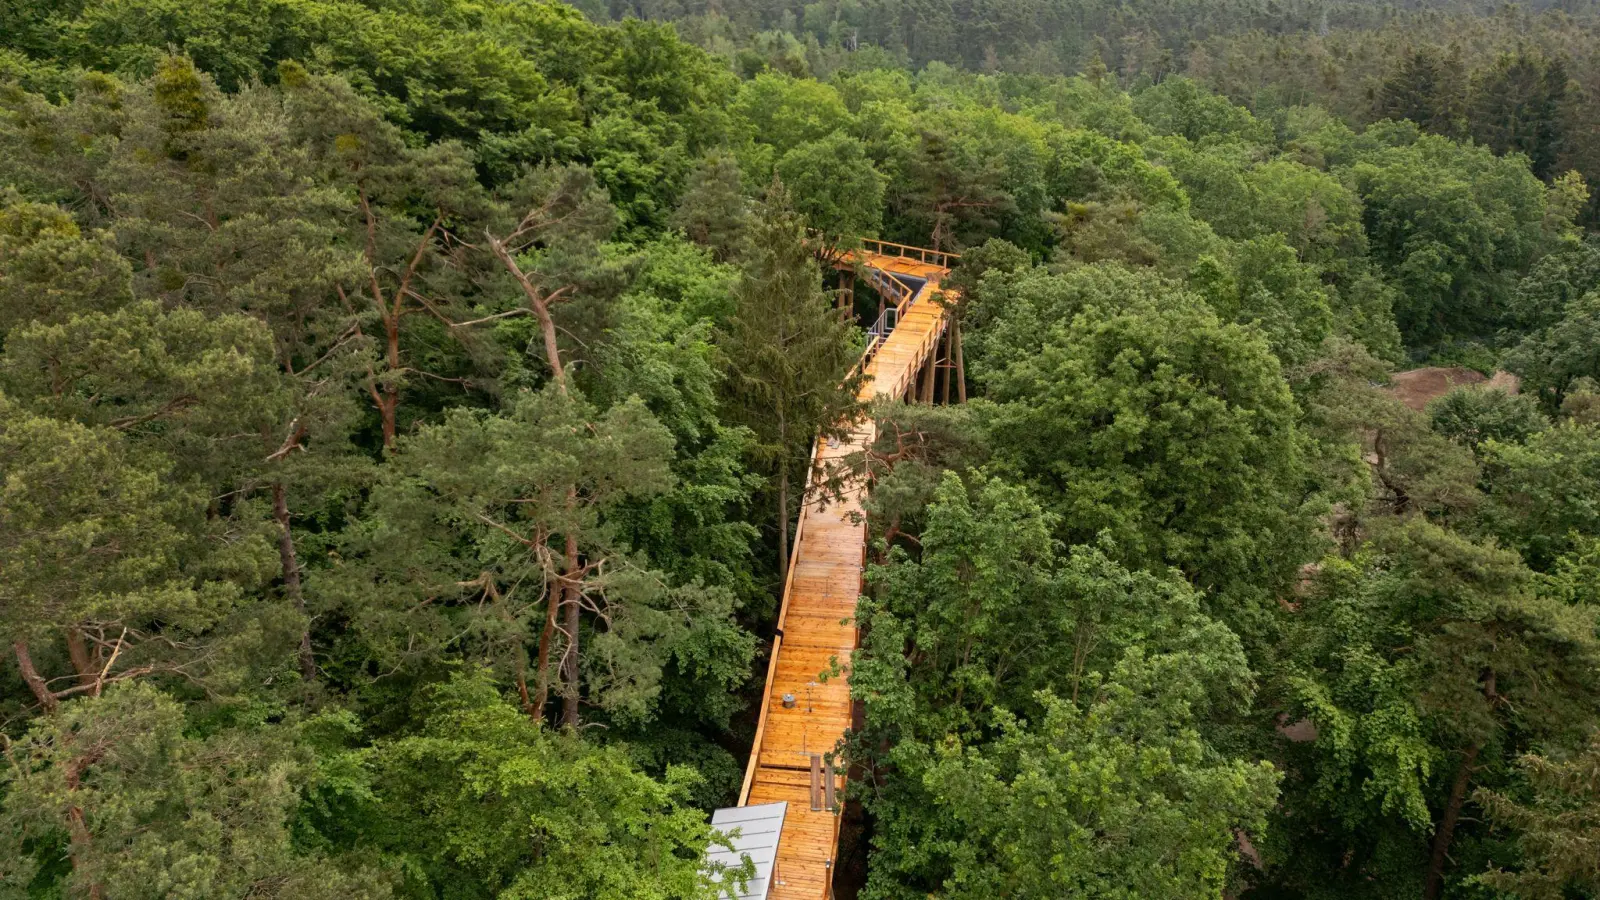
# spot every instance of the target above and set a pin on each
(754, 832)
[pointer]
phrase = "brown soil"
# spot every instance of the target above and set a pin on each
(1416, 387)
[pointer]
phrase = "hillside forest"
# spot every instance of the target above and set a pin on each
(405, 406)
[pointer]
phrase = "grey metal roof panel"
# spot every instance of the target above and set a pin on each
(754, 832)
(759, 812)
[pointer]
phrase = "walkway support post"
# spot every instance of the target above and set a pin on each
(961, 363)
(949, 361)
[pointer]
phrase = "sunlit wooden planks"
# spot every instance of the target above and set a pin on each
(809, 838)
(816, 623)
(898, 265)
(893, 370)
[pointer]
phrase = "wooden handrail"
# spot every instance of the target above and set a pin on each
(761, 723)
(904, 295)
(833, 863)
(788, 581)
(811, 593)
(940, 258)
(777, 639)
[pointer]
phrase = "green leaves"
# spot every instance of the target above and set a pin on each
(1451, 224)
(483, 803)
(488, 466)
(714, 211)
(1039, 714)
(467, 536)
(1474, 416)
(152, 810)
(1516, 105)
(1543, 494)
(1143, 417)
(1374, 751)
(787, 112)
(836, 188)
(787, 355)
(1553, 358)
(49, 271)
(205, 391)
(1424, 647)
(85, 532)
(1556, 826)
(1050, 810)
(1180, 106)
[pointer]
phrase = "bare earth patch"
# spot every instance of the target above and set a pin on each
(1416, 387)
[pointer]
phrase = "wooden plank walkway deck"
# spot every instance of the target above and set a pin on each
(816, 624)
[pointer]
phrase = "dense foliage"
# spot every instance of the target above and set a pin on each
(405, 406)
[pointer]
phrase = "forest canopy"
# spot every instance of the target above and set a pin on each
(405, 409)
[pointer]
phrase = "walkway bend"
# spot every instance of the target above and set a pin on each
(816, 629)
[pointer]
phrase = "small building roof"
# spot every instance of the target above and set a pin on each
(754, 832)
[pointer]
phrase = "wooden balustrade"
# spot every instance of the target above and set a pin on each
(816, 630)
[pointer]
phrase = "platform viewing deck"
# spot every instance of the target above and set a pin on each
(816, 629)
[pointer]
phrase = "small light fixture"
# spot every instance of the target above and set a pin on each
(788, 701)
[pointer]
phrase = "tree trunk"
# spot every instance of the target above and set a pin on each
(568, 588)
(949, 360)
(1447, 825)
(519, 666)
(555, 593)
(78, 826)
(1401, 500)
(88, 673)
(569, 667)
(552, 349)
(523, 695)
(36, 683)
(540, 304)
(291, 578)
(386, 411)
(783, 519)
(390, 404)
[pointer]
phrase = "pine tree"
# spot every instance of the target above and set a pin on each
(956, 194)
(1427, 89)
(1558, 828)
(1517, 106)
(714, 211)
(788, 356)
(561, 265)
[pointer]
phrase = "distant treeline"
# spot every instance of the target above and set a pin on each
(1514, 77)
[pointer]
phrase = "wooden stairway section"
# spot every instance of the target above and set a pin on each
(816, 629)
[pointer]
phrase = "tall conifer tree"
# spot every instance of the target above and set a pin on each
(788, 356)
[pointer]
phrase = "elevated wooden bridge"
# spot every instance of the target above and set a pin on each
(805, 711)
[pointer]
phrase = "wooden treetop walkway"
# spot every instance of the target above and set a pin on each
(816, 630)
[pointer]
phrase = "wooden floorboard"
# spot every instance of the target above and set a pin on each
(816, 624)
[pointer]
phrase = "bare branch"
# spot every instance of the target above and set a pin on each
(504, 530)
(351, 332)
(110, 662)
(297, 433)
(519, 311)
